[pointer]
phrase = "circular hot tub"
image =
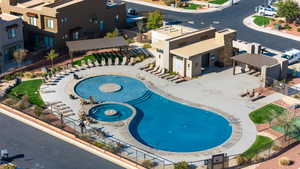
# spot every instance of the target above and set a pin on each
(111, 112)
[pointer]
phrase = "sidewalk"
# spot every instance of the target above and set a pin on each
(181, 10)
(248, 21)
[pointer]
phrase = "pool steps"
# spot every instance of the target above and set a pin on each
(141, 99)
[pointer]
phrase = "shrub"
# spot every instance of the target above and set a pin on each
(10, 77)
(182, 165)
(284, 161)
(298, 29)
(38, 111)
(28, 75)
(287, 26)
(280, 21)
(147, 164)
(276, 148)
(10, 101)
(19, 74)
(9, 166)
(146, 46)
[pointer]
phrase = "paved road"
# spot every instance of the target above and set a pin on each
(231, 17)
(42, 151)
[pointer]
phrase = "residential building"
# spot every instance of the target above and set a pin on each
(50, 23)
(189, 52)
(11, 37)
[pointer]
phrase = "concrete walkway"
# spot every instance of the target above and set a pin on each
(213, 7)
(248, 21)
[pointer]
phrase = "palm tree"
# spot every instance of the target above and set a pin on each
(51, 56)
(19, 55)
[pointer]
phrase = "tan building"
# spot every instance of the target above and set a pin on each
(189, 52)
(11, 37)
(49, 23)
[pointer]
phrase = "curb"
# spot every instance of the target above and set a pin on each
(208, 10)
(67, 137)
(248, 22)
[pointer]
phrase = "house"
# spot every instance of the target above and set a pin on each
(50, 23)
(189, 52)
(11, 37)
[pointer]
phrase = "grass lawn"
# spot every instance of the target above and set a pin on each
(261, 20)
(264, 114)
(261, 143)
(294, 131)
(193, 6)
(219, 2)
(29, 88)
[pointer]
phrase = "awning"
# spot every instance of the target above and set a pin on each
(95, 44)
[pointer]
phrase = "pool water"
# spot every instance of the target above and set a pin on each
(122, 112)
(161, 123)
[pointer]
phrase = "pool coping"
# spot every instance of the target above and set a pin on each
(129, 138)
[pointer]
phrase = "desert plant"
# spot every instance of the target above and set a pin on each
(10, 101)
(147, 164)
(298, 29)
(284, 161)
(112, 34)
(9, 166)
(276, 148)
(287, 26)
(182, 165)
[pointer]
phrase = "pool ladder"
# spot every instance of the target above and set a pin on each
(141, 99)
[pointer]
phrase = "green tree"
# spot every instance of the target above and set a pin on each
(113, 34)
(288, 9)
(154, 20)
(51, 56)
(19, 55)
(285, 120)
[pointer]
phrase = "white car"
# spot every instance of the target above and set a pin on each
(266, 11)
(292, 55)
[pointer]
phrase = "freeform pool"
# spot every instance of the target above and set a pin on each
(161, 123)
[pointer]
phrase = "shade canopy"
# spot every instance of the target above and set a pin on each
(95, 44)
(255, 60)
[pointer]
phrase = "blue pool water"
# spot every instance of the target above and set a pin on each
(98, 112)
(161, 123)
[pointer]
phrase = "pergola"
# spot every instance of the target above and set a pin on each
(96, 44)
(254, 60)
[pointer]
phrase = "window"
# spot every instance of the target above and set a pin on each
(49, 42)
(64, 20)
(117, 19)
(101, 26)
(33, 20)
(75, 35)
(50, 23)
(12, 33)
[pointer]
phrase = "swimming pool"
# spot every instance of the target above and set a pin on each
(161, 123)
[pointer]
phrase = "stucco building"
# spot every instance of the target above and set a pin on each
(50, 23)
(189, 52)
(11, 37)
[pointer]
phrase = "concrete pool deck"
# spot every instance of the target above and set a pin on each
(216, 91)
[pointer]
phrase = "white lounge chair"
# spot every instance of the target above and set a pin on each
(103, 62)
(132, 61)
(155, 69)
(151, 66)
(109, 61)
(117, 62)
(163, 71)
(175, 78)
(124, 61)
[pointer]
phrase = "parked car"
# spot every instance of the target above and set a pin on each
(266, 11)
(292, 55)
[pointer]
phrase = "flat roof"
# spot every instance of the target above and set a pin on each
(255, 60)
(94, 44)
(8, 17)
(197, 48)
(174, 30)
